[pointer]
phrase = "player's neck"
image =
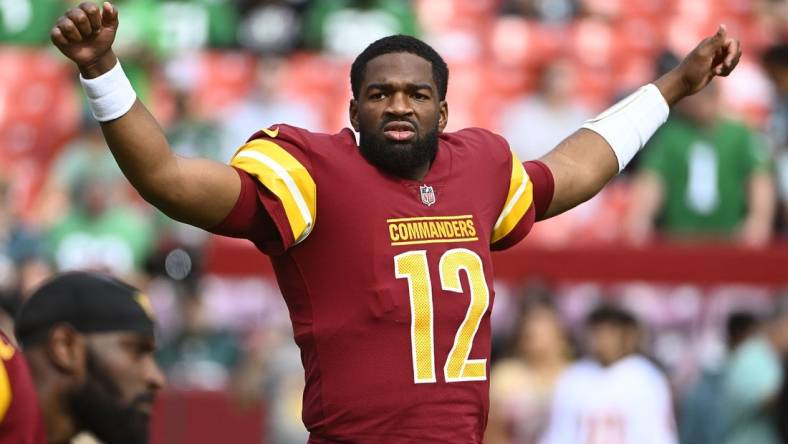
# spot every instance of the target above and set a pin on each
(60, 426)
(418, 173)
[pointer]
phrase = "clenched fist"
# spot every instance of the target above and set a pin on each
(714, 56)
(85, 34)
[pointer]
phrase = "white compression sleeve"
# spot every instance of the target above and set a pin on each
(627, 125)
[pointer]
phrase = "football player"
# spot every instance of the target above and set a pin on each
(380, 235)
(87, 364)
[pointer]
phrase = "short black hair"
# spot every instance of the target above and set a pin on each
(776, 55)
(611, 315)
(397, 44)
(739, 325)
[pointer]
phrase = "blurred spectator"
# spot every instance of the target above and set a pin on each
(22, 265)
(18, 241)
(544, 10)
(273, 372)
(265, 105)
(100, 234)
(27, 22)
(87, 154)
(535, 124)
(199, 356)
(703, 176)
(175, 26)
(740, 327)
(521, 385)
(774, 16)
(345, 27)
(95, 226)
(700, 411)
(752, 380)
(775, 60)
(191, 136)
(271, 26)
(615, 395)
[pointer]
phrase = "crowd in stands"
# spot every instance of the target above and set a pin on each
(215, 71)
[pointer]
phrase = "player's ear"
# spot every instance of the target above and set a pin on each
(353, 112)
(443, 118)
(65, 349)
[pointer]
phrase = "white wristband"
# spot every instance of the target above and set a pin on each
(110, 95)
(627, 125)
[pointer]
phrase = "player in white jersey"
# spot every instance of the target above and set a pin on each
(615, 396)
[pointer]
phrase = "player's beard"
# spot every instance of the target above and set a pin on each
(398, 158)
(96, 407)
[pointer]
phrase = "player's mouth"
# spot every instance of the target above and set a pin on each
(399, 131)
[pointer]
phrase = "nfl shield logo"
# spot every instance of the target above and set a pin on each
(427, 195)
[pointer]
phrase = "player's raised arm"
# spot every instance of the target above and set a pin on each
(585, 161)
(196, 191)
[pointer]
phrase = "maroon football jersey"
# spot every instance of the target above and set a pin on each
(20, 416)
(389, 281)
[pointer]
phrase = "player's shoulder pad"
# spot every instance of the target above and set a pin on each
(283, 133)
(278, 157)
(486, 143)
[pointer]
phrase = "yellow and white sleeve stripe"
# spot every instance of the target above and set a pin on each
(518, 201)
(284, 176)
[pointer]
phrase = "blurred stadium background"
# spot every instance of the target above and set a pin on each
(214, 71)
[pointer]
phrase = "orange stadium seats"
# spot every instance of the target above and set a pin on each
(39, 112)
(223, 78)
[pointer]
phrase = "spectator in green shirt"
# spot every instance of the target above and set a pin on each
(704, 177)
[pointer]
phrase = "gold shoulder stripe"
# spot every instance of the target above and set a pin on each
(518, 201)
(284, 176)
(5, 391)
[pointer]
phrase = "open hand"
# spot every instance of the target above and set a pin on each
(85, 34)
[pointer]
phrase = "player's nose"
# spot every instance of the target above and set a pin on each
(399, 105)
(154, 376)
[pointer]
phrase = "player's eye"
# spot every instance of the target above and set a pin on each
(419, 96)
(377, 96)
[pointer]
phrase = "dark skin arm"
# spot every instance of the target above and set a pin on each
(584, 162)
(199, 192)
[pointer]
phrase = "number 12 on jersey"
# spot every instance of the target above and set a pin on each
(413, 266)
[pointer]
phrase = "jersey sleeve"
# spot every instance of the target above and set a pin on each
(276, 208)
(531, 189)
(20, 416)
